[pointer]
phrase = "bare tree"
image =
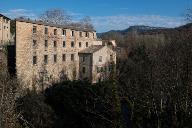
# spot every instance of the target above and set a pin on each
(56, 16)
(86, 22)
(9, 91)
(189, 15)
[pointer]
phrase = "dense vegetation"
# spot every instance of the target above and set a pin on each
(72, 105)
(156, 82)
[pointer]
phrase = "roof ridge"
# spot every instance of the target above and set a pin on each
(92, 49)
(53, 25)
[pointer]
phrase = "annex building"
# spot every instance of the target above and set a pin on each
(4, 29)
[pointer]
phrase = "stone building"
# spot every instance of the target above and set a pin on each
(48, 53)
(4, 29)
(96, 63)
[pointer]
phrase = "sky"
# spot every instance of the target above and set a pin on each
(106, 14)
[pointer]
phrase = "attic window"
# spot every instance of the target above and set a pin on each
(46, 30)
(64, 32)
(34, 29)
(55, 31)
(80, 34)
(87, 34)
(72, 33)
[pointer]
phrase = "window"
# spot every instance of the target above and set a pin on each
(80, 34)
(83, 70)
(64, 32)
(98, 69)
(55, 31)
(87, 34)
(84, 58)
(64, 57)
(79, 44)
(110, 68)
(72, 44)
(64, 43)
(55, 44)
(93, 35)
(34, 60)
(34, 43)
(87, 44)
(111, 57)
(45, 59)
(4, 27)
(100, 58)
(34, 29)
(46, 30)
(72, 33)
(46, 43)
(72, 57)
(55, 58)
(102, 69)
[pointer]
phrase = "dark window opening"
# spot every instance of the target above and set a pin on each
(72, 57)
(55, 58)
(87, 34)
(34, 43)
(46, 43)
(64, 32)
(93, 35)
(55, 31)
(84, 58)
(80, 34)
(72, 44)
(64, 44)
(55, 44)
(34, 29)
(84, 70)
(72, 33)
(34, 60)
(64, 57)
(45, 59)
(46, 30)
(111, 57)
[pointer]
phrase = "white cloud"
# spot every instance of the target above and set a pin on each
(15, 13)
(106, 23)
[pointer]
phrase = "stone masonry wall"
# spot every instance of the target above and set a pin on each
(31, 74)
(4, 30)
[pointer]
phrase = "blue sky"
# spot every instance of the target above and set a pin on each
(106, 14)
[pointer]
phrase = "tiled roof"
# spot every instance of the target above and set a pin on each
(54, 25)
(92, 49)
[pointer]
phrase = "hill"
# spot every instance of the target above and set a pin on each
(123, 36)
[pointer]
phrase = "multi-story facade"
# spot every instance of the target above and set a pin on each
(48, 52)
(4, 29)
(96, 63)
